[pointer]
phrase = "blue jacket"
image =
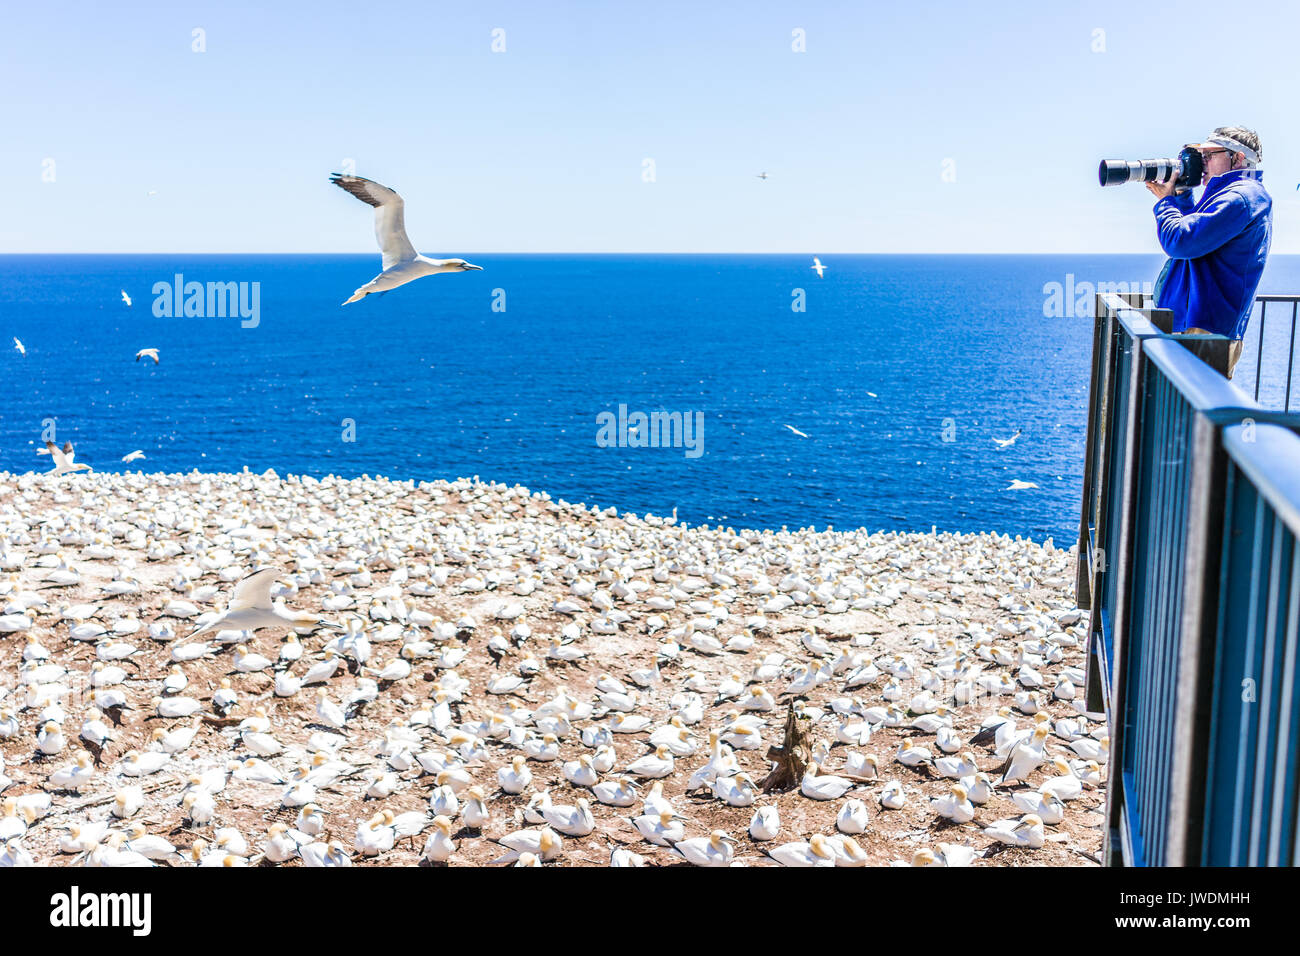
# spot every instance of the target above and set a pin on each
(1216, 250)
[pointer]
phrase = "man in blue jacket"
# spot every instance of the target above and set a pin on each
(1216, 247)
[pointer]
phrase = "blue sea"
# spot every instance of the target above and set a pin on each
(899, 370)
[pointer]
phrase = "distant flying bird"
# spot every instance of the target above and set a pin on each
(818, 267)
(796, 431)
(402, 264)
(762, 175)
(1018, 485)
(126, 298)
(134, 455)
(153, 192)
(147, 353)
(1007, 442)
(873, 394)
(63, 460)
(19, 346)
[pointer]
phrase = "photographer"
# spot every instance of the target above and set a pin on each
(1217, 246)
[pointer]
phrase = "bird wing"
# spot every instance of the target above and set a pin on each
(390, 219)
(254, 590)
(60, 459)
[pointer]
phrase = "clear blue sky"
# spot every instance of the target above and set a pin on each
(540, 148)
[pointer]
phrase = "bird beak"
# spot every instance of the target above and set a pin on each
(471, 268)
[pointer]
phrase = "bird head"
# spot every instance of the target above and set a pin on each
(464, 266)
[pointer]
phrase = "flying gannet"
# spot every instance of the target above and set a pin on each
(64, 459)
(147, 353)
(401, 263)
(251, 608)
(818, 268)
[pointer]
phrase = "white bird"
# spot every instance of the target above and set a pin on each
(440, 846)
(19, 346)
(827, 787)
(818, 267)
(126, 298)
(147, 353)
(852, 817)
(1007, 442)
(1018, 485)
(816, 852)
(251, 608)
(796, 431)
(133, 456)
(401, 263)
(1025, 832)
(64, 459)
(765, 824)
(713, 850)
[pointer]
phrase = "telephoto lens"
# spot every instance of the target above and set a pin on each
(1187, 170)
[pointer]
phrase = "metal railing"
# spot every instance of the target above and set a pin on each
(1191, 505)
(1261, 352)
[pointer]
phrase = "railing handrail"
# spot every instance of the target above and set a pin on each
(1270, 458)
(1169, 439)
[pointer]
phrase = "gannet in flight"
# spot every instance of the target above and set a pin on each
(126, 298)
(251, 608)
(134, 455)
(796, 431)
(19, 346)
(1007, 442)
(1018, 485)
(63, 459)
(147, 353)
(762, 175)
(401, 262)
(818, 267)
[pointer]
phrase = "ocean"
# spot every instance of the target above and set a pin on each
(870, 397)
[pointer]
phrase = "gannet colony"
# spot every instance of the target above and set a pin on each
(240, 669)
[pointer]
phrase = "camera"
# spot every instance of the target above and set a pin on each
(1186, 170)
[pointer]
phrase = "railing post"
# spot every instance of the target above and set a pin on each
(1200, 616)
(1120, 562)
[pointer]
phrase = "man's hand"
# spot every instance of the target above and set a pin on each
(1161, 190)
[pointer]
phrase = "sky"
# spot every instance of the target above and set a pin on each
(921, 127)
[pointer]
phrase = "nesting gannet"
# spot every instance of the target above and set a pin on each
(765, 824)
(956, 806)
(891, 796)
(717, 849)
(64, 459)
(1024, 832)
(663, 828)
(652, 766)
(816, 852)
(852, 817)
(147, 353)
(401, 263)
(545, 844)
(251, 608)
(440, 846)
(1025, 757)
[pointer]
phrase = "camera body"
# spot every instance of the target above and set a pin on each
(1186, 171)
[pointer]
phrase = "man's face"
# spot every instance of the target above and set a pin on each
(1217, 162)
